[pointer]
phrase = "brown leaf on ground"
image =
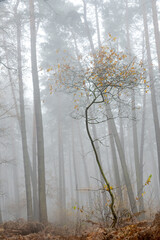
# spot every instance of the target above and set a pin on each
(22, 230)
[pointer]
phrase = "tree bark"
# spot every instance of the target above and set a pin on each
(134, 129)
(156, 30)
(115, 163)
(75, 176)
(23, 125)
(122, 159)
(87, 27)
(62, 188)
(34, 177)
(152, 87)
(85, 167)
(97, 24)
(38, 116)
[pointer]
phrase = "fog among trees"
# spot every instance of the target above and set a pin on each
(79, 111)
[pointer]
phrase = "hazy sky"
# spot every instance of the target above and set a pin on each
(76, 2)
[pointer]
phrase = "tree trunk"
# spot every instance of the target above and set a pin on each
(151, 76)
(38, 116)
(75, 176)
(62, 188)
(121, 125)
(139, 180)
(34, 162)
(97, 24)
(141, 207)
(122, 159)
(115, 163)
(134, 129)
(85, 167)
(23, 125)
(156, 30)
(87, 27)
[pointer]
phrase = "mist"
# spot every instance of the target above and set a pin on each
(79, 111)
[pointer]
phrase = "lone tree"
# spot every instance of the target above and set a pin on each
(96, 81)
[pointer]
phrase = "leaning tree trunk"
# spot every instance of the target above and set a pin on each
(38, 116)
(122, 160)
(115, 164)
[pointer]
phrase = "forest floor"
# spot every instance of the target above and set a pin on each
(23, 230)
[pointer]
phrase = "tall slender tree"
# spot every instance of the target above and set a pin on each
(38, 117)
(152, 85)
(22, 120)
(156, 30)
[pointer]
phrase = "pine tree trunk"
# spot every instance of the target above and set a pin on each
(85, 167)
(115, 163)
(35, 180)
(97, 24)
(38, 116)
(151, 76)
(134, 128)
(62, 188)
(156, 30)
(23, 125)
(123, 160)
(87, 27)
(75, 176)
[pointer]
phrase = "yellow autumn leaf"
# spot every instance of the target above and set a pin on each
(106, 187)
(148, 180)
